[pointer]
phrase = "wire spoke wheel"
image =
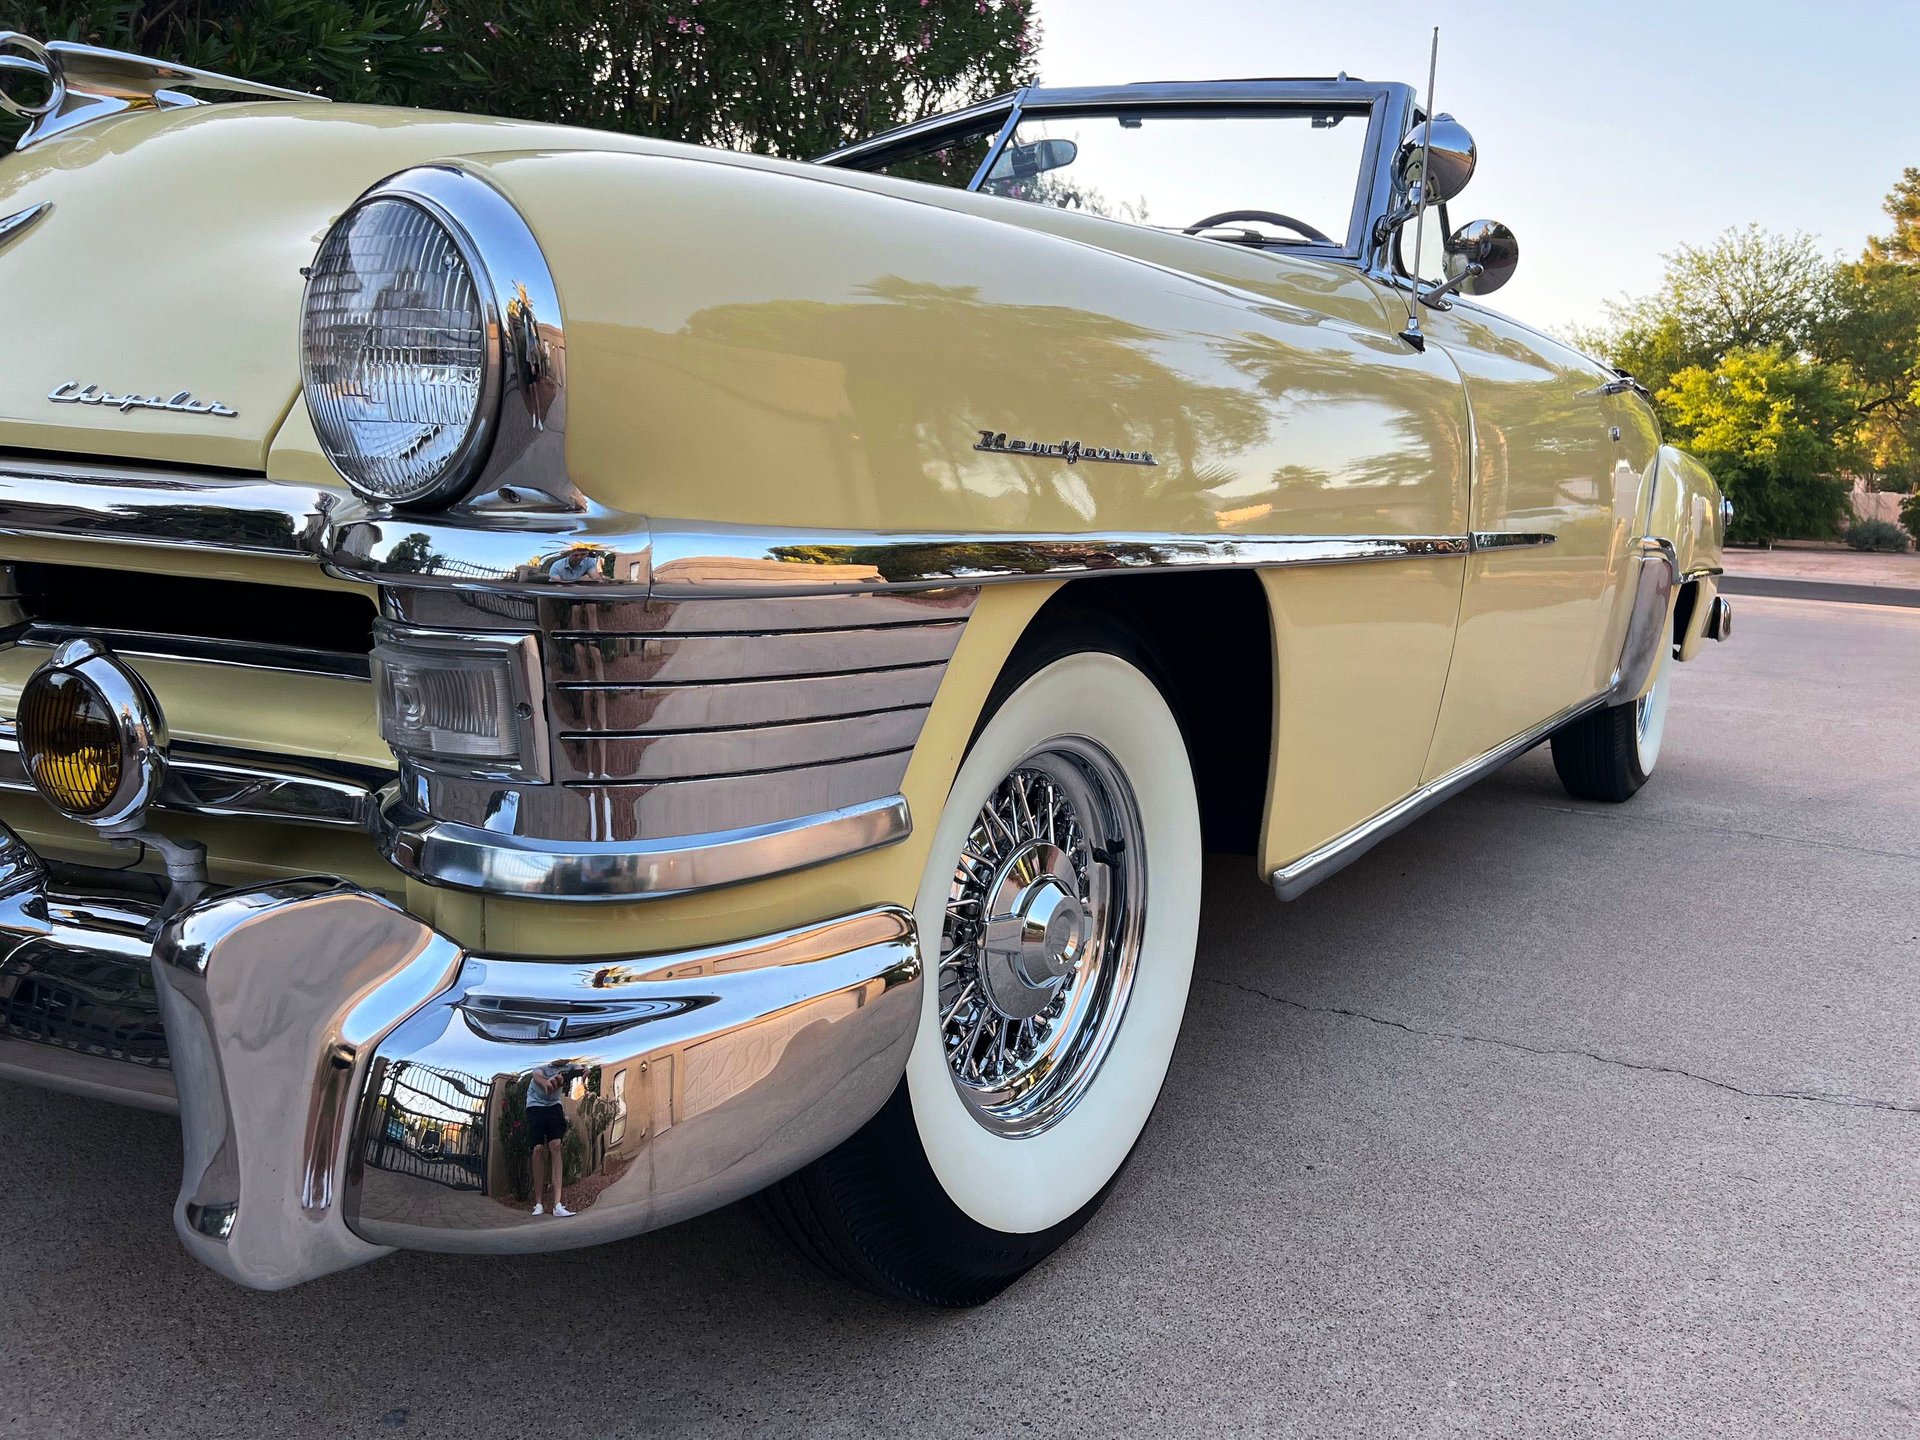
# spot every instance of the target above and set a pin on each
(1042, 936)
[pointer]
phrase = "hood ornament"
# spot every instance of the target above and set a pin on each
(60, 85)
(180, 403)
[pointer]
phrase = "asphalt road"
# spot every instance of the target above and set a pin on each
(1543, 1118)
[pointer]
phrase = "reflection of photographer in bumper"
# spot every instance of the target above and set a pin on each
(547, 1127)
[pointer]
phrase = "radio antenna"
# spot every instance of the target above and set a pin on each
(1412, 333)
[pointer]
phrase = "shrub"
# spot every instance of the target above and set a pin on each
(782, 77)
(1881, 536)
(1910, 517)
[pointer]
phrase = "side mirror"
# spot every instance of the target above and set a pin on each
(1481, 257)
(1449, 161)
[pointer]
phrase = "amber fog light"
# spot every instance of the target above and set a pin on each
(91, 736)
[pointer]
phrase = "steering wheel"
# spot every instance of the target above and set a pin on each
(1272, 217)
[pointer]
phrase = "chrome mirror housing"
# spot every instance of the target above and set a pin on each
(1481, 257)
(1446, 167)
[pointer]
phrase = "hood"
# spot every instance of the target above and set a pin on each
(167, 266)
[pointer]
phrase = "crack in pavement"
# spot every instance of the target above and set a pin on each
(1814, 1097)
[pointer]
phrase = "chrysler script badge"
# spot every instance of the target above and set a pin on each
(996, 442)
(181, 403)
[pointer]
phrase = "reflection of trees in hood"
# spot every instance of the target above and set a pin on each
(927, 367)
(1432, 443)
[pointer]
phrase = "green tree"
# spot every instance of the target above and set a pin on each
(1902, 247)
(783, 77)
(1772, 427)
(1748, 289)
(1874, 332)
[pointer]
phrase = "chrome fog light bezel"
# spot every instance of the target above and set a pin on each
(139, 725)
(516, 437)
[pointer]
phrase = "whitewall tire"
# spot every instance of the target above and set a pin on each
(1608, 754)
(1057, 920)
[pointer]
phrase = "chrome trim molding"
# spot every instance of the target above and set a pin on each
(206, 783)
(205, 649)
(86, 83)
(469, 857)
(599, 555)
(17, 224)
(690, 562)
(1292, 881)
(1509, 539)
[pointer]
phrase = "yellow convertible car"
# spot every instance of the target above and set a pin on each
(560, 680)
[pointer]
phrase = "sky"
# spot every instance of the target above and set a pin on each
(1608, 133)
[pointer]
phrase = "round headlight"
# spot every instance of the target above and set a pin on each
(398, 353)
(91, 736)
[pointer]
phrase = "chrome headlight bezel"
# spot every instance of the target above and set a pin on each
(516, 437)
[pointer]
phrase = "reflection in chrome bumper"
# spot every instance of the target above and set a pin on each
(349, 1080)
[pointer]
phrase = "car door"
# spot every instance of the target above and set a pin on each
(1554, 507)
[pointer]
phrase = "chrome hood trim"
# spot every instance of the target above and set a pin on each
(86, 83)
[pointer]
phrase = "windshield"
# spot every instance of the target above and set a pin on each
(1270, 175)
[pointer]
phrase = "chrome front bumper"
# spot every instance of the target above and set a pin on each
(350, 1081)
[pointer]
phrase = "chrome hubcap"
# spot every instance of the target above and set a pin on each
(1041, 936)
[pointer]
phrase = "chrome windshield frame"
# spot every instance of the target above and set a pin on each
(1388, 107)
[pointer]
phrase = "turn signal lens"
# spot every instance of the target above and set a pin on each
(70, 742)
(463, 702)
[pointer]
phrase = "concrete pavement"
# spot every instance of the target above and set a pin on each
(1543, 1118)
(1802, 570)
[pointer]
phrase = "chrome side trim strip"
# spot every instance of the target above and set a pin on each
(730, 561)
(1290, 882)
(466, 857)
(207, 784)
(21, 220)
(601, 555)
(1509, 539)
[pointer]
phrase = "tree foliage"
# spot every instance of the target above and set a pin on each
(1769, 424)
(1785, 370)
(1746, 290)
(783, 77)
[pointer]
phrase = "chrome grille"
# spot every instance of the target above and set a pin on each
(685, 718)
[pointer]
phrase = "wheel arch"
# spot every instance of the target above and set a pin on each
(1207, 640)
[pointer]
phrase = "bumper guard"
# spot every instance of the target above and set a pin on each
(350, 1081)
